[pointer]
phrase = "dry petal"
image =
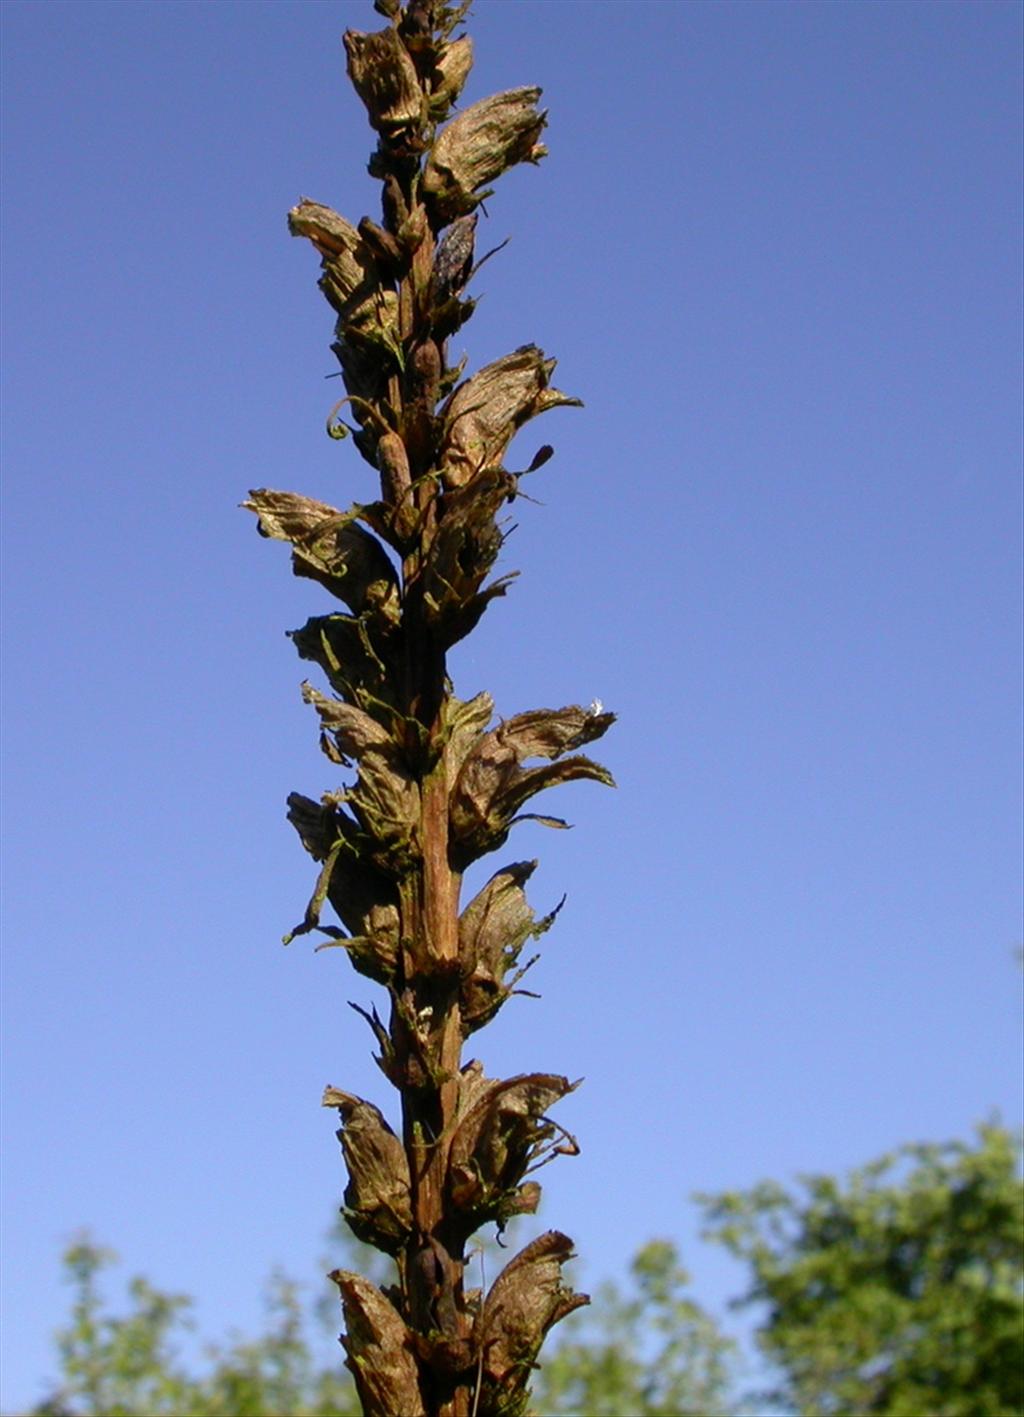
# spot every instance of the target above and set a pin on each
(357, 658)
(465, 721)
(503, 1132)
(452, 69)
(363, 897)
(350, 278)
(492, 932)
(461, 554)
(354, 731)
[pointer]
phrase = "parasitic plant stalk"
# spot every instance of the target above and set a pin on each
(438, 784)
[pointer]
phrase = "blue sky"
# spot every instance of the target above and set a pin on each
(776, 249)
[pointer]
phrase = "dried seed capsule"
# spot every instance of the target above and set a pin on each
(382, 244)
(393, 203)
(426, 374)
(393, 462)
(422, 393)
(454, 259)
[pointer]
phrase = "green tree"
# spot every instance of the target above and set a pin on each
(898, 1292)
(131, 1365)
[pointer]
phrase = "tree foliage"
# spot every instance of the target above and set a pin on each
(132, 1364)
(900, 1291)
(649, 1352)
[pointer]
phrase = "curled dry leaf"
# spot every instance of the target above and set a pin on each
(484, 414)
(493, 785)
(328, 546)
(493, 929)
(363, 897)
(377, 1204)
(359, 658)
(525, 1301)
(464, 723)
(378, 1345)
(354, 732)
(478, 146)
(384, 77)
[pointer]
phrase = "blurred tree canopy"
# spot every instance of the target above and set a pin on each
(897, 1291)
(900, 1292)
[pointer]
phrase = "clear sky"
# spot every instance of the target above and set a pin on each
(776, 249)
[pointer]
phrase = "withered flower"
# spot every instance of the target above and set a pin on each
(493, 784)
(493, 929)
(525, 1301)
(384, 77)
(503, 1132)
(484, 414)
(478, 146)
(330, 547)
(377, 1200)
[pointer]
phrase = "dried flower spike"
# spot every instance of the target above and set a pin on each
(432, 782)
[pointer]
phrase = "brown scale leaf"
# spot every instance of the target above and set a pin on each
(379, 1349)
(377, 1200)
(525, 1301)
(478, 146)
(483, 414)
(328, 546)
